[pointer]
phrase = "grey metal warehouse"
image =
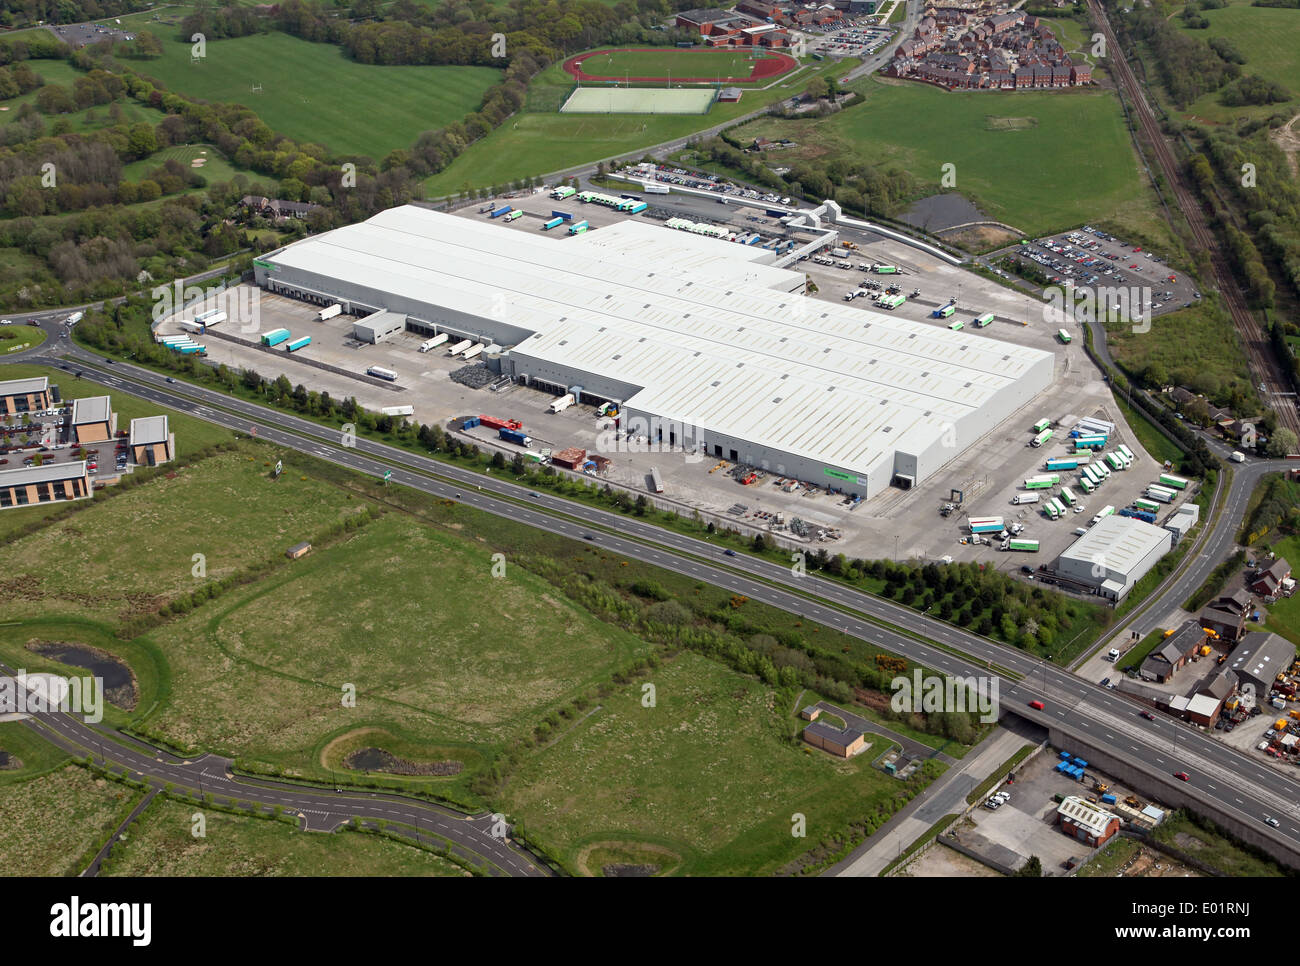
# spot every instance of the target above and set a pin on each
(703, 345)
(1114, 555)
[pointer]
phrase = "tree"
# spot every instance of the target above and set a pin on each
(641, 504)
(1033, 868)
(1282, 443)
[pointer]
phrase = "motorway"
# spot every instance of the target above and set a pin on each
(1231, 780)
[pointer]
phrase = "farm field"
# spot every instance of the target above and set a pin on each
(1268, 37)
(160, 843)
(55, 823)
(708, 779)
(314, 93)
(227, 508)
(1071, 152)
(539, 140)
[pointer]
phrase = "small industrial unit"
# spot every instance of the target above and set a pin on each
(704, 345)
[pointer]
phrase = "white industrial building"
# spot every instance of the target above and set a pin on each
(1114, 554)
(700, 343)
(378, 327)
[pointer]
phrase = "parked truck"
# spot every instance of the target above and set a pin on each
(564, 191)
(513, 215)
(433, 343)
(460, 347)
(986, 524)
(505, 210)
(553, 223)
(74, 318)
(275, 337)
(1022, 498)
(577, 228)
(561, 404)
(329, 313)
(398, 410)
(881, 269)
(518, 437)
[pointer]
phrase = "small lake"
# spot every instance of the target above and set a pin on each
(119, 683)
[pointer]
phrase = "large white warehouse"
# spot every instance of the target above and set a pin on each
(1114, 555)
(701, 344)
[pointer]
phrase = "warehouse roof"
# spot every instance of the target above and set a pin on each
(1262, 655)
(1085, 815)
(22, 387)
(91, 409)
(697, 331)
(1118, 543)
(46, 473)
(148, 429)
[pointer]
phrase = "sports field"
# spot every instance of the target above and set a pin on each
(314, 93)
(638, 100)
(540, 140)
(672, 64)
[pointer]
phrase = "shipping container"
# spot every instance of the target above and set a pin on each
(984, 320)
(1029, 546)
(460, 347)
(329, 313)
(297, 344)
(562, 215)
(1041, 438)
(275, 337)
(1146, 516)
(190, 350)
(433, 343)
(474, 350)
(1177, 482)
(381, 373)
(501, 211)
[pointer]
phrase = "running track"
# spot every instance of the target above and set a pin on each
(771, 65)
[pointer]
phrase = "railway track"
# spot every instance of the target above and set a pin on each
(1259, 351)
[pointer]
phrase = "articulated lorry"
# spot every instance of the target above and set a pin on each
(561, 404)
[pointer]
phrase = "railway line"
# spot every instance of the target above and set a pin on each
(1259, 351)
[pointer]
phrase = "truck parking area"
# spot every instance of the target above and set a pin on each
(982, 481)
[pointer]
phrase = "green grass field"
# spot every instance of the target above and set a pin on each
(1071, 152)
(226, 507)
(539, 141)
(313, 93)
(1268, 37)
(710, 776)
(670, 62)
(161, 843)
(1190, 345)
(1284, 615)
(260, 675)
(55, 823)
(215, 167)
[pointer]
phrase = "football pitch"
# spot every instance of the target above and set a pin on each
(638, 100)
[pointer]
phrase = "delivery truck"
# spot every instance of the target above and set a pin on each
(329, 313)
(561, 404)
